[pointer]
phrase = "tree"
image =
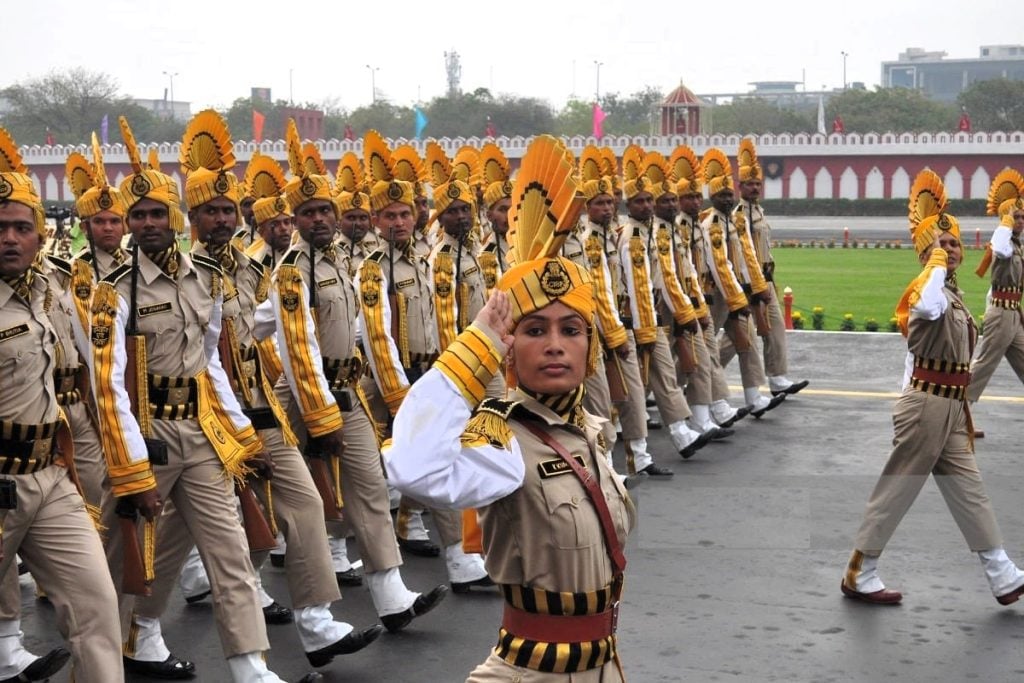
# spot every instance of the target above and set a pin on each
(69, 105)
(994, 105)
(576, 118)
(630, 115)
(756, 115)
(897, 110)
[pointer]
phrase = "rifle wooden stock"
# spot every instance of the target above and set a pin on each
(644, 357)
(133, 575)
(761, 320)
(322, 481)
(257, 530)
(617, 389)
(737, 330)
(686, 353)
(396, 329)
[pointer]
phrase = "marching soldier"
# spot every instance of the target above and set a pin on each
(750, 213)
(398, 319)
(41, 510)
(554, 515)
(1004, 326)
(212, 198)
(931, 418)
(187, 439)
(271, 217)
(642, 279)
(736, 276)
(497, 200)
(692, 359)
(708, 384)
(323, 366)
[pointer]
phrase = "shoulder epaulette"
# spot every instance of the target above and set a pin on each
(445, 249)
(207, 262)
(84, 255)
(497, 406)
(240, 234)
(118, 273)
(376, 257)
(291, 257)
(60, 264)
(491, 247)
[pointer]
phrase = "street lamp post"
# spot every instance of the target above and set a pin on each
(373, 83)
(845, 55)
(171, 77)
(597, 85)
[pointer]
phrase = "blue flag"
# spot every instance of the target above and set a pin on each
(104, 127)
(421, 122)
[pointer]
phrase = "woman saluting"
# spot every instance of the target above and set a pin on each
(553, 515)
(933, 433)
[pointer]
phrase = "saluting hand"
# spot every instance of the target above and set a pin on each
(496, 315)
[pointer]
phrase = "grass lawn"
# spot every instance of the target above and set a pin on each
(865, 282)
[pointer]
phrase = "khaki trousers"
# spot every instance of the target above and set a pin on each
(930, 437)
(1004, 336)
(598, 401)
(204, 499)
(363, 487)
(697, 385)
(663, 384)
(751, 369)
(633, 411)
(91, 466)
(719, 387)
(56, 539)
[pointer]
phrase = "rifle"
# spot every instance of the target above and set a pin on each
(685, 349)
(761, 321)
(257, 530)
(138, 568)
(322, 480)
(617, 390)
(395, 303)
(736, 328)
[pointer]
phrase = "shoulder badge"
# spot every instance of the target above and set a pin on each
(489, 425)
(291, 258)
(113, 276)
(207, 262)
(60, 264)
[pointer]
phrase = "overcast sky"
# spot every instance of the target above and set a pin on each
(542, 48)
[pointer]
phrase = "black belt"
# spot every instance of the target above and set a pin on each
(173, 398)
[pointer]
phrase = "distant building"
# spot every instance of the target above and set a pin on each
(310, 122)
(168, 109)
(943, 79)
(679, 113)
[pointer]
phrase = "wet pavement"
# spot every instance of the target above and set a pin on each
(734, 568)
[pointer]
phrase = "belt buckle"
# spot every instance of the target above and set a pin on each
(42, 448)
(66, 384)
(177, 396)
(249, 368)
(615, 616)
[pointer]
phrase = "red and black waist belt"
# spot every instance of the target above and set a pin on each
(941, 378)
(558, 632)
(1006, 297)
(173, 398)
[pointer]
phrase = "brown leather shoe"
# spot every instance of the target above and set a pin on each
(882, 597)
(1011, 597)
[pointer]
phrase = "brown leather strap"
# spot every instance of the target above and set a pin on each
(951, 379)
(595, 494)
(556, 628)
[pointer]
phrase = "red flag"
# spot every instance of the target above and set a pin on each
(349, 133)
(490, 131)
(965, 123)
(837, 125)
(50, 140)
(599, 117)
(258, 120)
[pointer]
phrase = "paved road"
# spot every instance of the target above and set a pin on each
(734, 570)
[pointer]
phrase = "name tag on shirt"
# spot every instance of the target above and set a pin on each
(12, 332)
(575, 254)
(327, 283)
(470, 271)
(402, 284)
(154, 309)
(553, 468)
